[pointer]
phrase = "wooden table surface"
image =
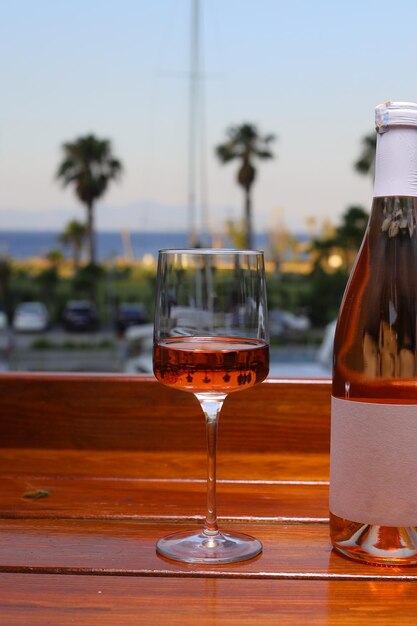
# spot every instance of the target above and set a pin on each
(94, 469)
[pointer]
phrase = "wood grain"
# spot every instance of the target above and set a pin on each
(180, 465)
(108, 412)
(73, 497)
(299, 550)
(48, 600)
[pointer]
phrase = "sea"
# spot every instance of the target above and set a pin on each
(20, 244)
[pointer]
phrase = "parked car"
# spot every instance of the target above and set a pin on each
(282, 322)
(31, 317)
(130, 314)
(80, 315)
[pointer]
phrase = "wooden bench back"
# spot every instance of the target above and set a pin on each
(118, 412)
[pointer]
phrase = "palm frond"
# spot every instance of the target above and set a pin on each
(264, 154)
(226, 153)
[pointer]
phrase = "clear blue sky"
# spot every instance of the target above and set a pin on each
(310, 72)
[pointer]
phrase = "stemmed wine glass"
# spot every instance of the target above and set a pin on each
(210, 339)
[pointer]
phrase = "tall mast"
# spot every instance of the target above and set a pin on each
(193, 120)
(197, 175)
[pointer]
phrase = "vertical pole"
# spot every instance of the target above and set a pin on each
(193, 119)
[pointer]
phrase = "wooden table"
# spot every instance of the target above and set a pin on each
(95, 468)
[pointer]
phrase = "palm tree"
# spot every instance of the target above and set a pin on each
(54, 258)
(90, 166)
(245, 143)
(74, 236)
(366, 162)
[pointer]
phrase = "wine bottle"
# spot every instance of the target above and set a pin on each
(373, 468)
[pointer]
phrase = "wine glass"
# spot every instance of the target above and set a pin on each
(211, 339)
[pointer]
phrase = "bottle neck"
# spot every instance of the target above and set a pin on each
(396, 163)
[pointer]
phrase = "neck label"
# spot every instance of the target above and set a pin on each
(396, 163)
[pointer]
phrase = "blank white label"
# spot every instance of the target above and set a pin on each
(396, 163)
(373, 462)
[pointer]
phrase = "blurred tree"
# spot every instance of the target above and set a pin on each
(366, 162)
(89, 166)
(74, 236)
(328, 277)
(236, 232)
(48, 281)
(282, 246)
(6, 296)
(323, 245)
(55, 258)
(245, 144)
(311, 222)
(352, 229)
(343, 241)
(326, 291)
(87, 280)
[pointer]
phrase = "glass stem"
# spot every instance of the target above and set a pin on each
(211, 407)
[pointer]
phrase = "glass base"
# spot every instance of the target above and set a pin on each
(199, 547)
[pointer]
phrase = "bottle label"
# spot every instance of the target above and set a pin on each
(373, 462)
